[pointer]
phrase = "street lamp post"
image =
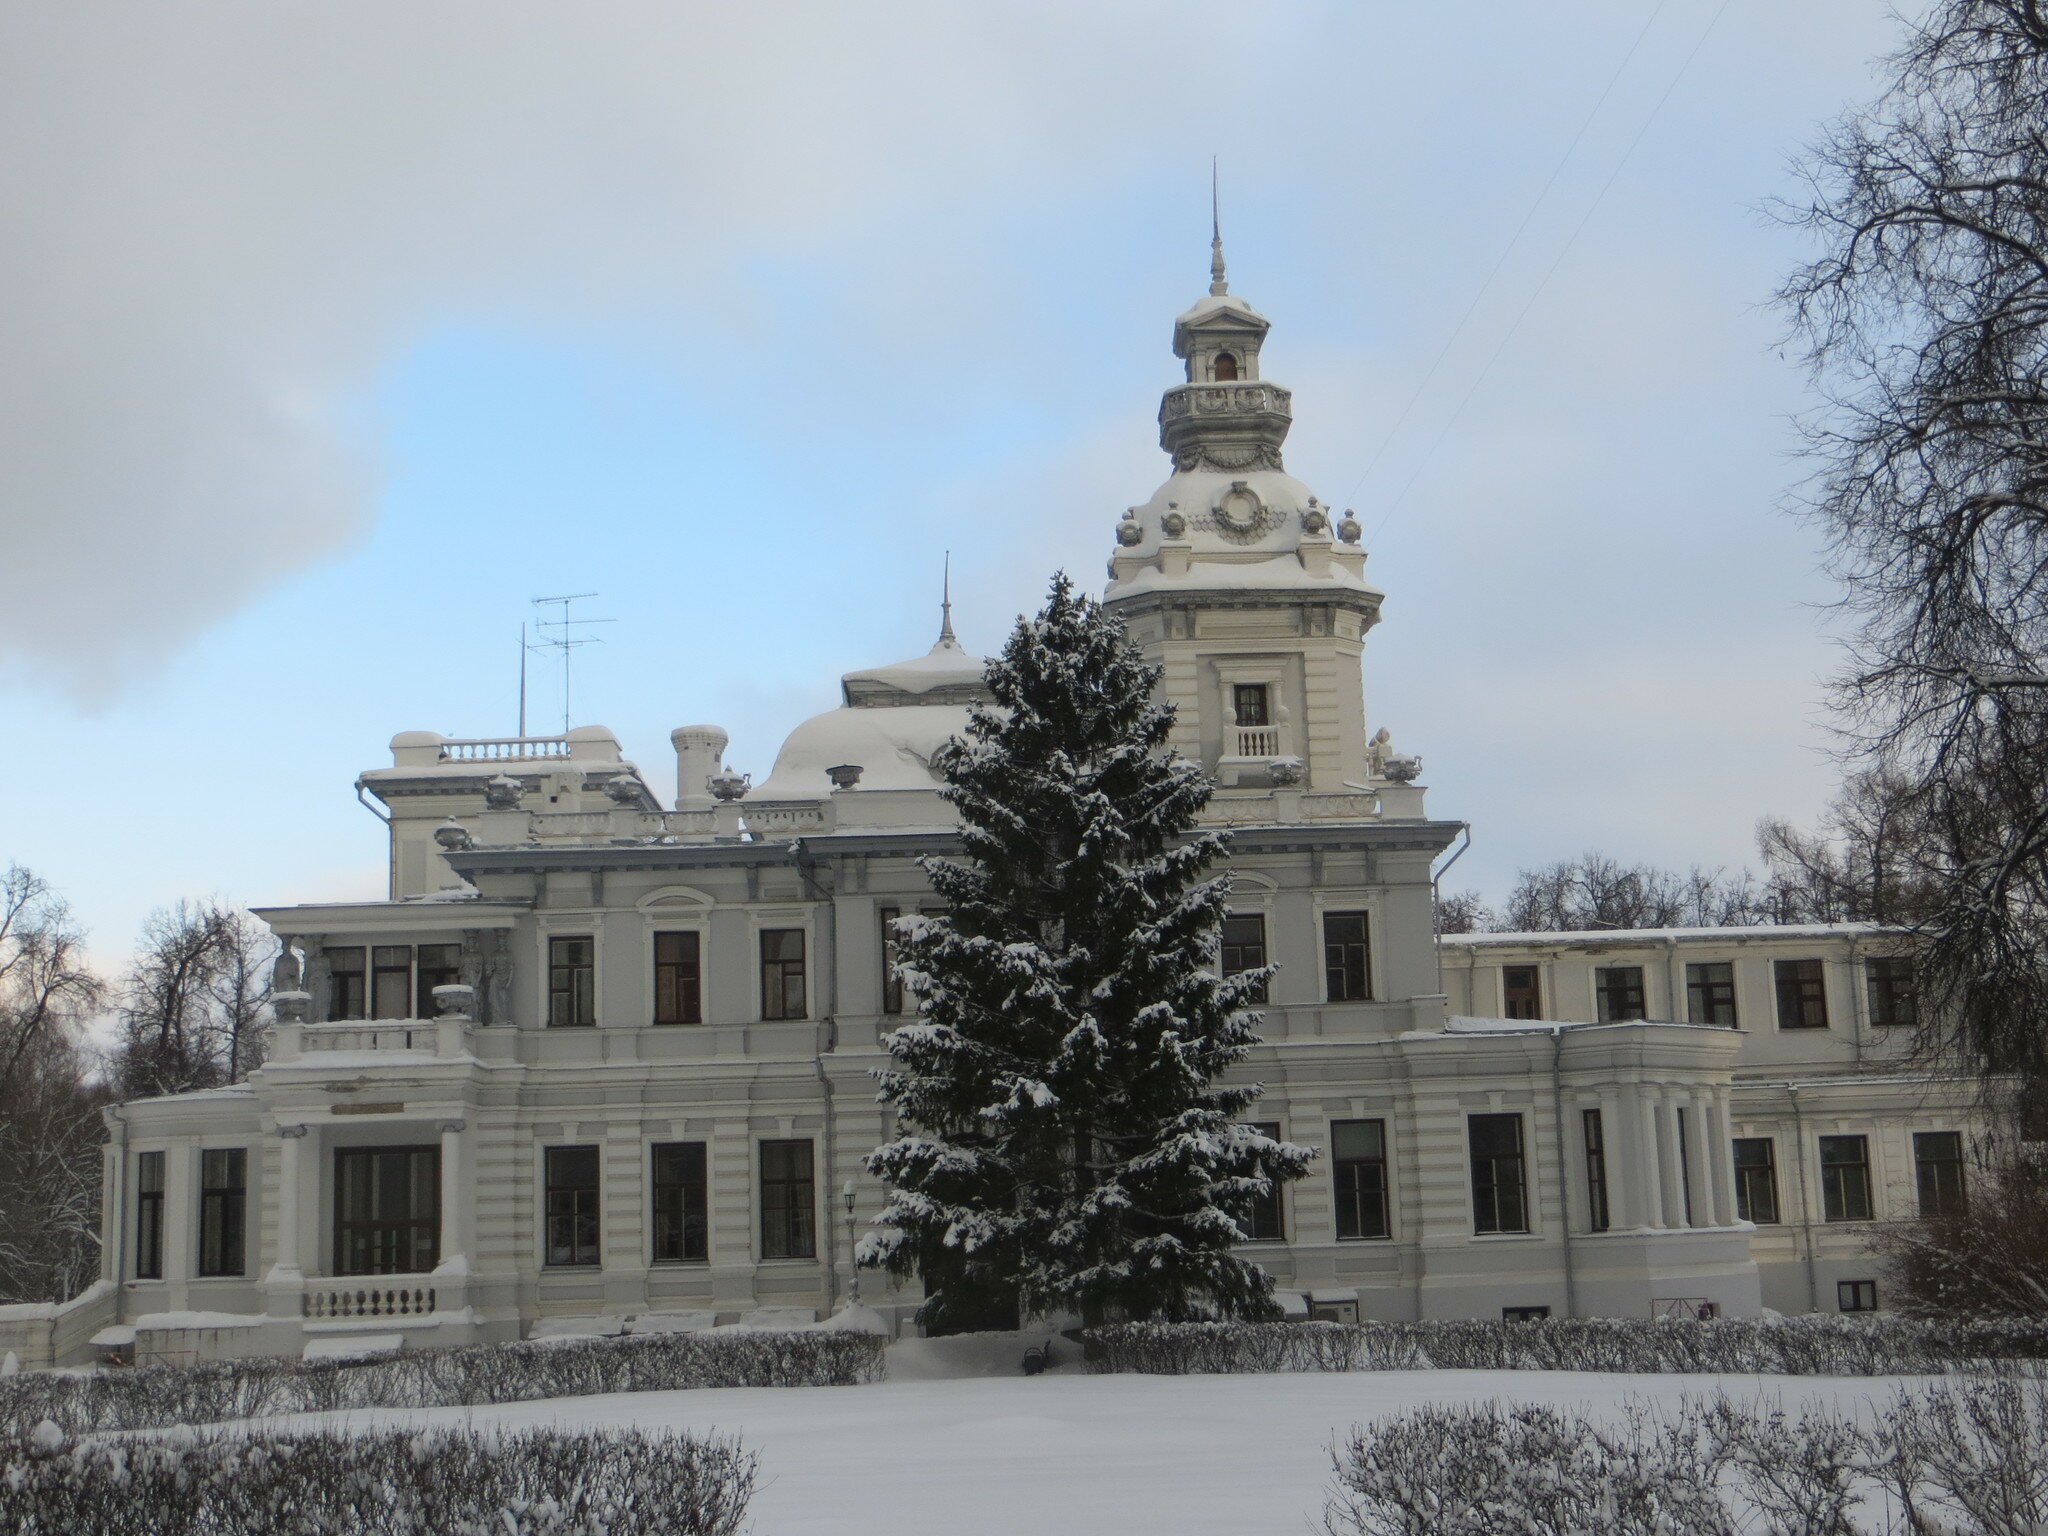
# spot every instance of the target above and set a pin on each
(846, 1193)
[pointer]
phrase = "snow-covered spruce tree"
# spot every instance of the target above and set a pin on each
(1066, 1146)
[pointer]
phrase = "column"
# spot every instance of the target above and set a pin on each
(1668, 1159)
(1721, 1150)
(1699, 1153)
(1652, 1159)
(1624, 1203)
(287, 1265)
(455, 1203)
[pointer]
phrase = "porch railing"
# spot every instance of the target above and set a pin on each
(340, 1302)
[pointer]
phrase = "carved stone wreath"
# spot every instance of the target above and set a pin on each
(1240, 515)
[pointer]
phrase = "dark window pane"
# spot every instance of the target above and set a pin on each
(1618, 993)
(1845, 1177)
(1756, 1180)
(1802, 994)
(1596, 1170)
(1358, 1160)
(1249, 701)
(787, 1201)
(571, 1213)
(892, 984)
(348, 990)
(681, 1210)
(149, 1216)
(678, 979)
(1520, 992)
(782, 974)
(1938, 1166)
(1499, 1195)
(1894, 1004)
(387, 1210)
(1856, 1295)
(223, 1205)
(572, 982)
(1710, 993)
(440, 965)
(1347, 966)
(1261, 1220)
(1244, 947)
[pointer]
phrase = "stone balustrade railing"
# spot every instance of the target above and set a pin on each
(504, 749)
(339, 1301)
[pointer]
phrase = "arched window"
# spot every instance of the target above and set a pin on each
(1226, 368)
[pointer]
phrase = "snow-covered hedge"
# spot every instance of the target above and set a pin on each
(381, 1483)
(1968, 1457)
(1792, 1346)
(158, 1396)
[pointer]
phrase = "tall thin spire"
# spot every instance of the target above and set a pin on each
(1217, 284)
(946, 603)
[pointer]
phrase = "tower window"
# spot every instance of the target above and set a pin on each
(1226, 368)
(1249, 701)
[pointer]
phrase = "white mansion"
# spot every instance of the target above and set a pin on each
(602, 1063)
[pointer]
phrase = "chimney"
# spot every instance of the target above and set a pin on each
(700, 751)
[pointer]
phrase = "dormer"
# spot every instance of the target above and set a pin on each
(1219, 340)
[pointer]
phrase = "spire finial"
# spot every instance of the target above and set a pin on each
(1217, 284)
(946, 603)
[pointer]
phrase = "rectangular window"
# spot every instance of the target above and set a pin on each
(1856, 1295)
(440, 966)
(1802, 994)
(1525, 1314)
(1347, 967)
(782, 974)
(1894, 1003)
(391, 981)
(223, 1209)
(681, 1205)
(1499, 1193)
(1262, 1220)
(1618, 993)
(572, 982)
(678, 979)
(892, 985)
(572, 1235)
(1249, 700)
(149, 1215)
(1710, 993)
(1358, 1157)
(1244, 947)
(348, 994)
(788, 1201)
(1520, 991)
(1756, 1180)
(387, 1210)
(1938, 1163)
(1596, 1170)
(1845, 1177)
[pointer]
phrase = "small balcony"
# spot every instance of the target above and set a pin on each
(1252, 755)
(400, 1040)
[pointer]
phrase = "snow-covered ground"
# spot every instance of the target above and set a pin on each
(943, 1449)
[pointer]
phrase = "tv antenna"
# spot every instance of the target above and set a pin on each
(561, 633)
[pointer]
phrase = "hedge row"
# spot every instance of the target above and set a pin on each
(383, 1483)
(1777, 1346)
(1966, 1458)
(160, 1396)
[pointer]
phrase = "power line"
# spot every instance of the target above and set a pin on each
(1506, 250)
(1551, 271)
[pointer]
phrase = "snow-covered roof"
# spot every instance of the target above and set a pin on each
(1212, 305)
(893, 748)
(1616, 937)
(947, 666)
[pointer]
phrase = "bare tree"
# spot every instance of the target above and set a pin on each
(1925, 322)
(1594, 891)
(1463, 912)
(195, 1006)
(49, 1108)
(1870, 860)
(46, 989)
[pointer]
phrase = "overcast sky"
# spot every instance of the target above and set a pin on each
(332, 335)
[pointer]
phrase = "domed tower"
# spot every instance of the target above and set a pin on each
(1247, 589)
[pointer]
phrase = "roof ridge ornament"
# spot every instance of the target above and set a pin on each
(946, 634)
(1218, 284)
